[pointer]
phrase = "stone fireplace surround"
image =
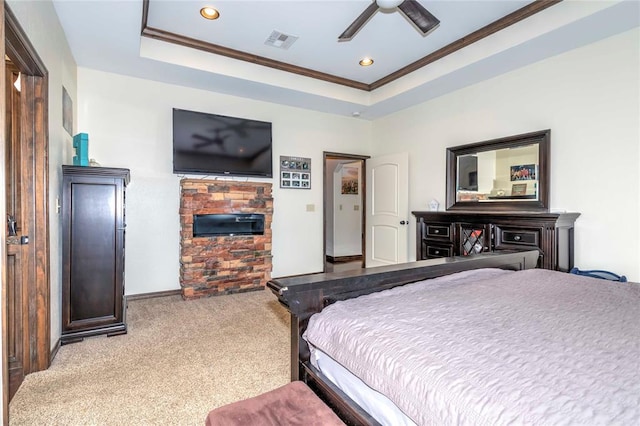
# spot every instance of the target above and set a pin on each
(224, 264)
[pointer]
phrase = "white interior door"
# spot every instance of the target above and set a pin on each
(387, 210)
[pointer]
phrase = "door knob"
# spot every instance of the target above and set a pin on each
(403, 222)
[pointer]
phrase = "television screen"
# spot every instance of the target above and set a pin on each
(468, 173)
(219, 145)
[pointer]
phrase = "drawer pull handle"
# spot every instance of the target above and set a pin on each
(517, 238)
(436, 231)
(437, 252)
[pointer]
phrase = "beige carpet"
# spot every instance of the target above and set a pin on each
(179, 360)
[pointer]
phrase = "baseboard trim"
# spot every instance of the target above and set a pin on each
(178, 292)
(54, 352)
(154, 294)
(343, 259)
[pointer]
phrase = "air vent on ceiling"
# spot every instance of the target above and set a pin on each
(280, 40)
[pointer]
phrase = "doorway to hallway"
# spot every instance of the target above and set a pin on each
(344, 211)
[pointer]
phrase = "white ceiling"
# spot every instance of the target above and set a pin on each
(388, 37)
(106, 35)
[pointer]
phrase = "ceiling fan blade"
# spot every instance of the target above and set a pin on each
(419, 16)
(356, 25)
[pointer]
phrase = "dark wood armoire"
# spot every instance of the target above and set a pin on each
(93, 233)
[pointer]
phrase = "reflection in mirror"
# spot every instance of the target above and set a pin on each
(502, 174)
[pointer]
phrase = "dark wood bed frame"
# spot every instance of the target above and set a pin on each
(306, 295)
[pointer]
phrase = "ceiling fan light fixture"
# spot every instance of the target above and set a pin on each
(420, 18)
(209, 13)
(365, 62)
(388, 4)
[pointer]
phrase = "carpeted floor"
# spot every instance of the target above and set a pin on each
(179, 360)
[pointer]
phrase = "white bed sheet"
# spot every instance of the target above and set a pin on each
(373, 402)
(497, 347)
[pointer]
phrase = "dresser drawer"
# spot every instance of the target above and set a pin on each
(517, 237)
(436, 230)
(431, 251)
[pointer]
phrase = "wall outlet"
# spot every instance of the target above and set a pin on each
(311, 207)
(356, 207)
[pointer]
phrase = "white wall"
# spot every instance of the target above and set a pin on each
(589, 98)
(40, 22)
(129, 125)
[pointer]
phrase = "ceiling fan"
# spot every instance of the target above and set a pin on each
(216, 140)
(421, 18)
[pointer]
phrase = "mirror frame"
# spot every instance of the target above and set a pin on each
(542, 138)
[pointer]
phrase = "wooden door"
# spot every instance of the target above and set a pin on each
(17, 348)
(25, 178)
(387, 210)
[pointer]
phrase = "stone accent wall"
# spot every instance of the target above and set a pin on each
(221, 265)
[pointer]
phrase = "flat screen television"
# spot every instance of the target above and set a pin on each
(468, 173)
(219, 145)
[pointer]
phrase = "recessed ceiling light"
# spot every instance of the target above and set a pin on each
(209, 13)
(365, 62)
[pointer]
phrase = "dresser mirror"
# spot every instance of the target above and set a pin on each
(506, 174)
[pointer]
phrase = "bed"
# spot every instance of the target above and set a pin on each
(484, 340)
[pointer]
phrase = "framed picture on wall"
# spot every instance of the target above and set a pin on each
(519, 189)
(67, 112)
(350, 180)
(523, 172)
(295, 172)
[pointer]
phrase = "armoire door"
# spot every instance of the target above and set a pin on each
(93, 252)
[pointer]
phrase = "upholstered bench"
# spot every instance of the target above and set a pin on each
(292, 404)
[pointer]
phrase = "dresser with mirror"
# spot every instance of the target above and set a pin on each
(498, 199)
